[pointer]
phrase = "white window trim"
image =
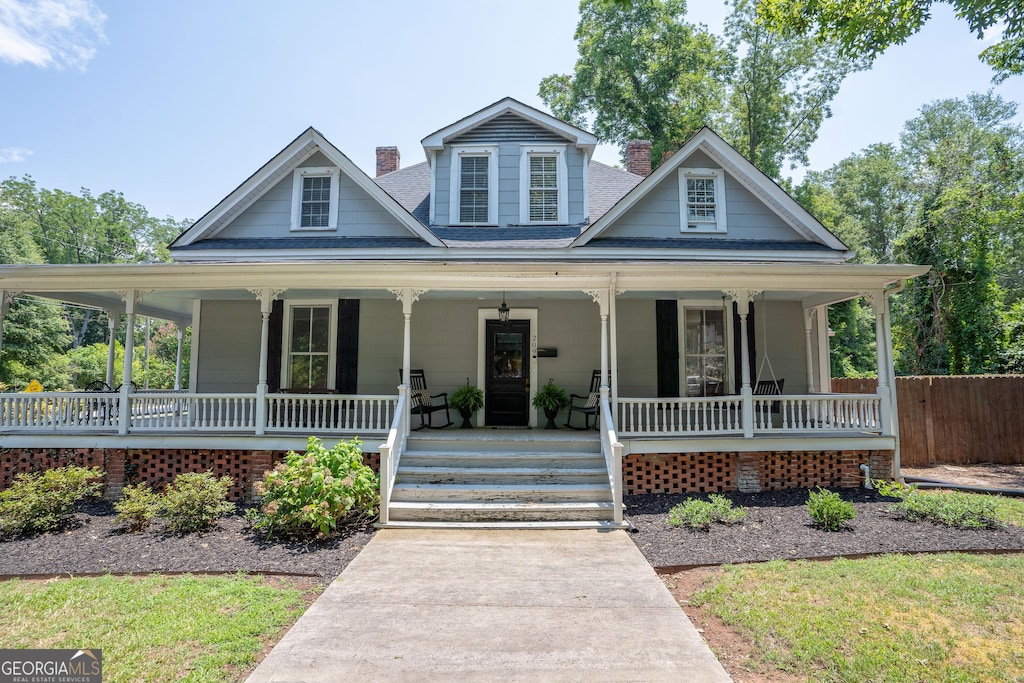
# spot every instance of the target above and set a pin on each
(314, 172)
(720, 223)
(455, 198)
(524, 183)
(703, 304)
(332, 346)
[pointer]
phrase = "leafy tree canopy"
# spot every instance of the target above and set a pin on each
(866, 29)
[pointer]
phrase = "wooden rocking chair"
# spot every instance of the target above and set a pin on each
(423, 402)
(591, 404)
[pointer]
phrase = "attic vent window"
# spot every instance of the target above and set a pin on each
(702, 196)
(543, 184)
(315, 199)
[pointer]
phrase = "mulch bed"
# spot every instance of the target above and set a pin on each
(777, 526)
(95, 543)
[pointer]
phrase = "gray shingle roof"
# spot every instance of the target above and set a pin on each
(285, 243)
(607, 186)
(515, 237)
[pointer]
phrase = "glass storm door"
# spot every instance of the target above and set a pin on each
(507, 384)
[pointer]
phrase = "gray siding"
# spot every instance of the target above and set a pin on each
(229, 346)
(359, 214)
(783, 322)
(658, 213)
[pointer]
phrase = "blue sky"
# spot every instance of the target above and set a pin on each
(175, 104)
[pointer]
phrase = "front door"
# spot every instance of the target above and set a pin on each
(507, 367)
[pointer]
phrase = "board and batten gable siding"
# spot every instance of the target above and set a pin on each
(229, 347)
(359, 214)
(658, 213)
(509, 133)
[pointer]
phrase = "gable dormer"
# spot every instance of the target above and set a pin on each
(509, 165)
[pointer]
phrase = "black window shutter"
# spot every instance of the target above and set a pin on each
(274, 342)
(666, 313)
(347, 364)
(737, 345)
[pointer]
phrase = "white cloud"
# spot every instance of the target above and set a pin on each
(994, 32)
(50, 33)
(14, 154)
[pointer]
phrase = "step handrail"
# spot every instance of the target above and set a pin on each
(611, 449)
(392, 449)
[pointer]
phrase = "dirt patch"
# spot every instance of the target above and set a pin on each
(96, 542)
(985, 475)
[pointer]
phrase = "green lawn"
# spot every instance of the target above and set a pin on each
(153, 628)
(951, 617)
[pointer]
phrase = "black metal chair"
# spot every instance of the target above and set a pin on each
(423, 402)
(590, 404)
(770, 387)
(98, 385)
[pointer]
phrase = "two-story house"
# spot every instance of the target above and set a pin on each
(688, 307)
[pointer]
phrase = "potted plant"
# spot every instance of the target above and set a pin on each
(467, 399)
(551, 398)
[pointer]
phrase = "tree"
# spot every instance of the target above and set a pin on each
(642, 72)
(866, 29)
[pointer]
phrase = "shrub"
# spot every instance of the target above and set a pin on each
(43, 502)
(138, 506)
(195, 500)
(699, 514)
(828, 510)
(311, 493)
(893, 489)
(954, 509)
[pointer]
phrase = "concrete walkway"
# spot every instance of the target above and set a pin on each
(494, 605)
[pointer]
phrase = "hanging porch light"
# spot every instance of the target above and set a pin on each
(503, 310)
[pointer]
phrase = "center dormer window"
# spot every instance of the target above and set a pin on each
(315, 198)
(542, 184)
(474, 193)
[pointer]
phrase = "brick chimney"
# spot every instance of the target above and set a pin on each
(638, 157)
(388, 160)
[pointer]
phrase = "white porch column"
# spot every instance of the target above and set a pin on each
(408, 296)
(113, 317)
(742, 299)
(812, 380)
(879, 308)
(894, 417)
(131, 298)
(614, 343)
(601, 298)
(177, 360)
(5, 305)
(266, 295)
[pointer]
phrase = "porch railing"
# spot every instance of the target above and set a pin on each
(662, 416)
(321, 412)
(59, 411)
(391, 451)
(174, 411)
(612, 451)
(818, 413)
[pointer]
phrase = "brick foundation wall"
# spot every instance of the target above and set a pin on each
(750, 472)
(158, 466)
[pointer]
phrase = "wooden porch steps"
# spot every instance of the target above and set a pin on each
(511, 480)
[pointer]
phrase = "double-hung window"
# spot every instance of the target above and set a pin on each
(309, 347)
(705, 335)
(315, 198)
(474, 196)
(543, 177)
(702, 199)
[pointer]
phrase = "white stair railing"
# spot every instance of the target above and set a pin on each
(391, 450)
(612, 451)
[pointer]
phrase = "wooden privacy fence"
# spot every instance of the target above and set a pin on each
(962, 420)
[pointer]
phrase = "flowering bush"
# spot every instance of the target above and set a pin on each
(310, 493)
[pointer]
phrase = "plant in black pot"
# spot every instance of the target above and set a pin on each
(551, 398)
(467, 399)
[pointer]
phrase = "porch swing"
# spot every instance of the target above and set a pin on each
(773, 386)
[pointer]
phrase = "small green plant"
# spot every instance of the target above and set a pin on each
(954, 509)
(310, 493)
(138, 506)
(195, 500)
(893, 489)
(551, 397)
(828, 510)
(467, 397)
(699, 514)
(37, 502)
